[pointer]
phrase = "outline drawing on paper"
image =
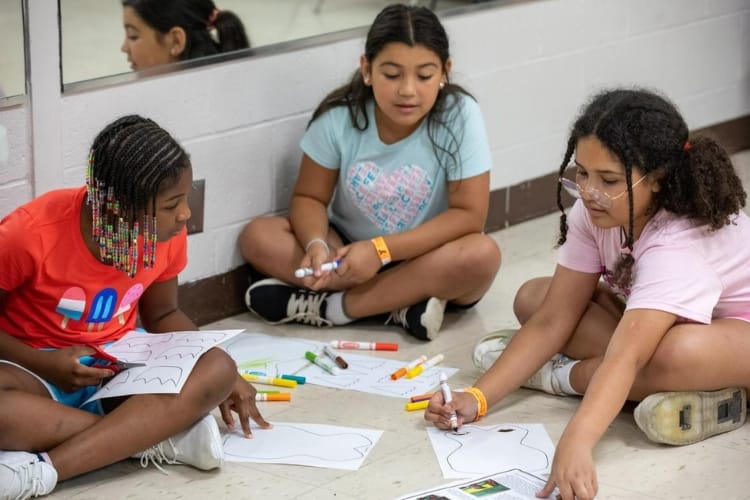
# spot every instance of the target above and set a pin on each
(486, 449)
(303, 444)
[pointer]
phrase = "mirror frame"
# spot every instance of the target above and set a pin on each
(17, 99)
(261, 51)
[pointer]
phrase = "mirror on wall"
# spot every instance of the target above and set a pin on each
(12, 66)
(92, 31)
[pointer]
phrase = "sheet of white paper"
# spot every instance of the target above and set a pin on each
(479, 450)
(169, 358)
(508, 485)
(276, 356)
(316, 445)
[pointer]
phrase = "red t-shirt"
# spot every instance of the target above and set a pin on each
(58, 294)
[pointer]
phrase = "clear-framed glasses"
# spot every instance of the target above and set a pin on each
(601, 198)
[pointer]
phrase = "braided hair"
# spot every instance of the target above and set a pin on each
(645, 131)
(197, 18)
(129, 163)
(412, 26)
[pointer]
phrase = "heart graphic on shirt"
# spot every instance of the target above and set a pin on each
(390, 201)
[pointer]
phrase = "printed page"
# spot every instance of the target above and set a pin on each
(513, 484)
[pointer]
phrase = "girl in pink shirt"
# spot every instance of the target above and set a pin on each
(651, 292)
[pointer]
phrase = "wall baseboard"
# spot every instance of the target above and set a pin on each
(221, 296)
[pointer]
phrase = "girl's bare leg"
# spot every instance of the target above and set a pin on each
(79, 442)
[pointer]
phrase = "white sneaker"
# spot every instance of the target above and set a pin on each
(680, 418)
(199, 446)
(489, 348)
(24, 475)
(545, 379)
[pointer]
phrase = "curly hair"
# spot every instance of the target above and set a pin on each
(645, 131)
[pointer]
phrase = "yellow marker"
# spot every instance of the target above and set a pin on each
(419, 405)
(427, 364)
(270, 380)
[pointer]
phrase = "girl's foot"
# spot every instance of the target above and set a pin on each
(25, 475)
(422, 320)
(277, 302)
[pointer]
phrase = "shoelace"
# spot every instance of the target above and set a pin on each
(31, 484)
(304, 307)
(157, 456)
(398, 317)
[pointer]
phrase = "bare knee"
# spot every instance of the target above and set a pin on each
(529, 298)
(217, 374)
(676, 356)
(256, 234)
(479, 259)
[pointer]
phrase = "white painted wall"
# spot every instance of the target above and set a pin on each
(530, 65)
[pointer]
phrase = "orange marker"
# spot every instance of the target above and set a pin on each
(281, 396)
(421, 397)
(402, 371)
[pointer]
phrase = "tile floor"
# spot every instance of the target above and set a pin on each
(629, 466)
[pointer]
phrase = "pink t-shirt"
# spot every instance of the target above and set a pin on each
(680, 268)
(58, 294)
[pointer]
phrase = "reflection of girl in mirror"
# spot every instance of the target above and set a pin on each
(164, 31)
(395, 169)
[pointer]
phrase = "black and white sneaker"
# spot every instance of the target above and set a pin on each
(423, 320)
(277, 302)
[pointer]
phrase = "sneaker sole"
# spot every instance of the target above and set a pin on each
(680, 418)
(432, 317)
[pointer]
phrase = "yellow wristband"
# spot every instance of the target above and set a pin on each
(382, 249)
(481, 401)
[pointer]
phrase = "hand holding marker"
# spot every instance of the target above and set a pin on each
(448, 397)
(303, 272)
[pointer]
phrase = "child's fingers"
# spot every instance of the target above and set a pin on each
(226, 414)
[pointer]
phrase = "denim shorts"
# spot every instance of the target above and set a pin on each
(76, 399)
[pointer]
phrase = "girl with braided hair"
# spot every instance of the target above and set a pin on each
(650, 300)
(78, 267)
(165, 31)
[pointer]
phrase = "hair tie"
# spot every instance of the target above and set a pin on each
(212, 18)
(687, 146)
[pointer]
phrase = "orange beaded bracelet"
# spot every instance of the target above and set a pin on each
(481, 401)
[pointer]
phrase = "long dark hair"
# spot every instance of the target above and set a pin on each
(645, 131)
(411, 26)
(197, 18)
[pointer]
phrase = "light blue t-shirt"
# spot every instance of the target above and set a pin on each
(390, 188)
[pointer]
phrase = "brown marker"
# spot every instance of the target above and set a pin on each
(335, 357)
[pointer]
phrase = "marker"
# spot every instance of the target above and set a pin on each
(421, 397)
(427, 364)
(281, 396)
(365, 346)
(297, 378)
(335, 357)
(269, 380)
(418, 405)
(322, 362)
(402, 371)
(448, 398)
(308, 271)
